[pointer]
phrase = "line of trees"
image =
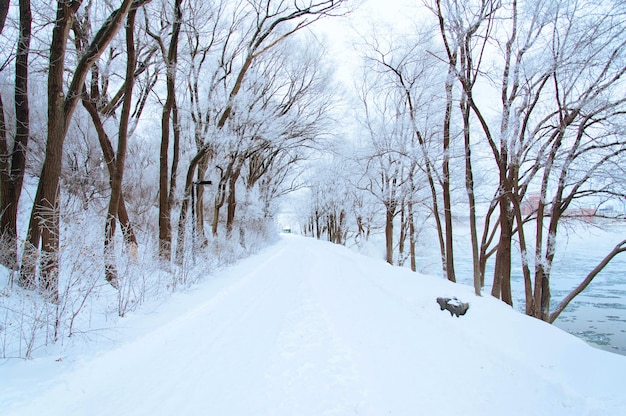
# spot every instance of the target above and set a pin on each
(240, 92)
(509, 113)
(520, 100)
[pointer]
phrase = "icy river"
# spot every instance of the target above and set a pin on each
(598, 315)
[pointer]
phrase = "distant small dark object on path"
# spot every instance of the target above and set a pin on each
(453, 305)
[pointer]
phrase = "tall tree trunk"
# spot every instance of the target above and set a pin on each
(447, 204)
(4, 148)
(502, 273)
(198, 210)
(11, 197)
(44, 220)
(165, 222)
(175, 153)
(5, 182)
(117, 175)
(471, 199)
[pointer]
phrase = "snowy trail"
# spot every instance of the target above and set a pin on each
(308, 328)
(210, 354)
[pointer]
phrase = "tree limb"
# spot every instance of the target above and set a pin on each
(619, 248)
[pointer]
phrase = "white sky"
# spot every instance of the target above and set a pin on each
(340, 33)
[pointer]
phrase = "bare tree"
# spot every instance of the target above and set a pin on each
(270, 23)
(44, 221)
(95, 101)
(169, 120)
(288, 98)
(211, 55)
(329, 203)
(556, 127)
(585, 140)
(385, 167)
(411, 71)
(118, 173)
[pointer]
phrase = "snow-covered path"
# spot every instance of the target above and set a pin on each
(309, 328)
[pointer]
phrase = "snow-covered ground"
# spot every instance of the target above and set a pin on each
(310, 328)
(597, 315)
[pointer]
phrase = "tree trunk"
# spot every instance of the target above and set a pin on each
(4, 11)
(198, 210)
(502, 271)
(175, 153)
(220, 197)
(528, 290)
(389, 232)
(447, 204)
(231, 201)
(342, 223)
(165, 222)
(8, 243)
(109, 159)
(471, 199)
(45, 214)
(5, 166)
(412, 236)
(403, 234)
(117, 175)
(318, 229)
(11, 196)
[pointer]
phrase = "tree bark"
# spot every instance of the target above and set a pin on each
(389, 215)
(471, 199)
(117, 175)
(501, 288)
(528, 290)
(165, 222)
(11, 197)
(5, 181)
(447, 204)
(231, 203)
(109, 159)
(412, 237)
(44, 221)
(4, 11)
(220, 197)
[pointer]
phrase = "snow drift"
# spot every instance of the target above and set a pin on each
(310, 328)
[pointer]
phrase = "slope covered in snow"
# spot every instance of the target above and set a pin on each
(310, 328)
